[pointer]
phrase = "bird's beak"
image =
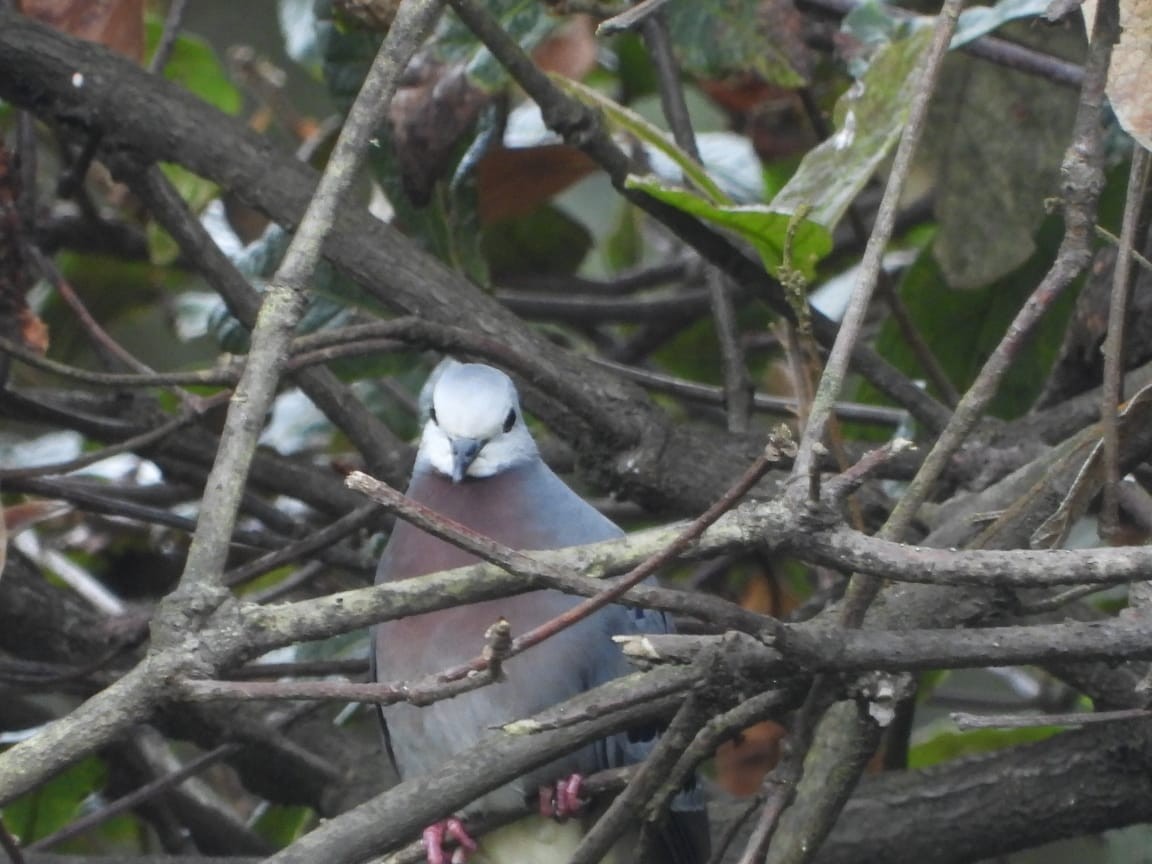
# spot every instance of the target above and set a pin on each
(464, 452)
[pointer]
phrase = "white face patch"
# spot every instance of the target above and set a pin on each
(475, 402)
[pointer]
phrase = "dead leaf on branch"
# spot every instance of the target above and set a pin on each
(117, 24)
(1130, 75)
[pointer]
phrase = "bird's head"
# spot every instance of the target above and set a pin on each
(474, 426)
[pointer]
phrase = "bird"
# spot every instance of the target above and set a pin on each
(477, 464)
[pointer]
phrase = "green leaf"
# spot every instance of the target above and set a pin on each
(630, 121)
(963, 327)
(194, 66)
(332, 298)
(281, 825)
(874, 23)
(546, 241)
(981, 20)
(526, 21)
(756, 223)
(869, 119)
(716, 37)
(948, 744)
(346, 56)
(56, 803)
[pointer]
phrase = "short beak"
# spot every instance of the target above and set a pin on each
(464, 452)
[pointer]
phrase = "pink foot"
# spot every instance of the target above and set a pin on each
(434, 835)
(563, 800)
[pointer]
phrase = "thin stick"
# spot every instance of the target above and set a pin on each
(629, 19)
(1112, 393)
(836, 366)
(136, 442)
(168, 38)
(967, 721)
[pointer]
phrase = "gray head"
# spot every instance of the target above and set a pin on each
(474, 426)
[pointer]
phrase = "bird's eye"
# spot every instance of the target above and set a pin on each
(510, 420)
(432, 415)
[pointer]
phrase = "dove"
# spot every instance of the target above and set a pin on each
(478, 465)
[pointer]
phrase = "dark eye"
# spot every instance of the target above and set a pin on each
(432, 415)
(510, 420)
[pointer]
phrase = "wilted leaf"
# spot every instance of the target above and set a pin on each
(869, 119)
(117, 24)
(433, 110)
(762, 227)
(571, 50)
(995, 138)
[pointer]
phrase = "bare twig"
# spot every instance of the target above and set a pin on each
(708, 394)
(1104, 233)
(1112, 393)
(1083, 180)
(836, 366)
(128, 445)
(737, 387)
(339, 529)
(967, 721)
(629, 19)
(172, 22)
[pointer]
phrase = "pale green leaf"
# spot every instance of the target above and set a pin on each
(623, 118)
(763, 228)
(869, 119)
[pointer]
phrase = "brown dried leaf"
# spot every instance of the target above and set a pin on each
(17, 517)
(435, 106)
(515, 181)
(117, 24)
(1130, 75)
(571, 51)
(742, 764)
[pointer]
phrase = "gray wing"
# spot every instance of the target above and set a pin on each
(528, 508)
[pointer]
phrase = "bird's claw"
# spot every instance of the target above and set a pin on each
(562, 800)
(433, 838)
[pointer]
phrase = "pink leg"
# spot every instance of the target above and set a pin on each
(568, 801)
(564, 800)
(433, 838)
